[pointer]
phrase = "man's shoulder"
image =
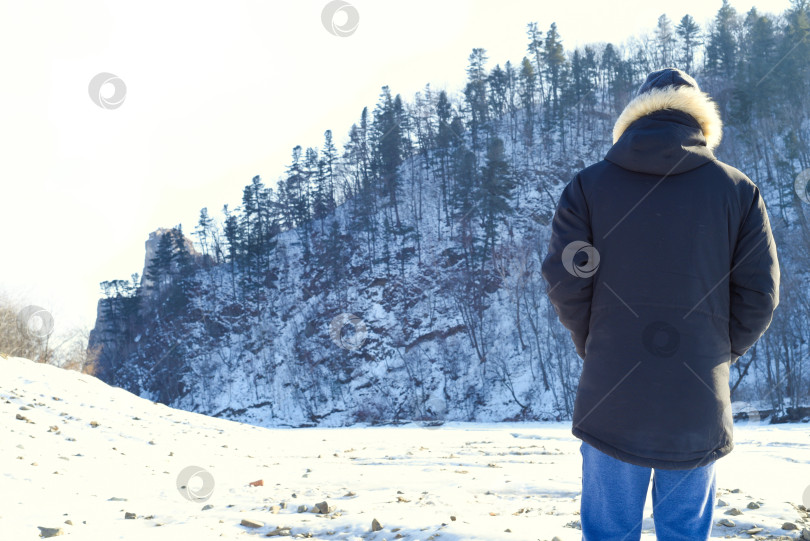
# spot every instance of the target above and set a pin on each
(731, 173)
(715, 170)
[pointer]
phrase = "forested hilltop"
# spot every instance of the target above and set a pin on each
(398, 277)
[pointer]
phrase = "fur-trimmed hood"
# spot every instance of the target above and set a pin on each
(666, 131)
(684, 98)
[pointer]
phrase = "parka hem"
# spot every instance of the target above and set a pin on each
(649, 462)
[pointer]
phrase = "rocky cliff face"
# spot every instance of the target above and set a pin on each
(151, 245)
(118, 326)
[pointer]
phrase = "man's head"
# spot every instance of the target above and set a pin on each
(667, 77)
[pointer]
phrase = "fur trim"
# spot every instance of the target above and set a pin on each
(694, 102)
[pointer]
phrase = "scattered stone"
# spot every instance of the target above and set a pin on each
(280, 530)
(283, 505)
(24, 408)
(721, 503)
(252, 523)
(94, 424)
(452, 518)
(302, 508)
(734, 511)
(752, 531)
(789, 526)
(323, 507)
(207, 507)
(275, 509)
(350, 494)
(130, 516)
(375, 525)
(50, 532)
(555, 538)
(69, 522)
(259, 483)
(735, 491)
(753, 505)
(152, 442)
(726, 522)
(574, 524)
(806, 534)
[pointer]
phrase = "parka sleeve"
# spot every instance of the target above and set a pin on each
(569, 288)
(754, 280)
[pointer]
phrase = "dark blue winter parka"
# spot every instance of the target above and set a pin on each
(663, 267)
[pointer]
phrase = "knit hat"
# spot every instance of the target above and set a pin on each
(667, 77)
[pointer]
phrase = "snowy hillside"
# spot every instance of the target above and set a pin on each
(78, 455)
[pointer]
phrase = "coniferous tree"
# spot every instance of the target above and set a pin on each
(494, 195)
(665, 40)
(183, 269)
(608, 65)
(753, 89)
(205, 233)
(555, 62)
(689, 33)
(294, 198)
(528, 84)
(793, 50)
(330, 170)
(721, 50)
(444, 139)
(536, 50)
(388, 152)
(232, 237)
(159, 268)
(498, 85)
(465, 205)
(475, 93)
(319, 188)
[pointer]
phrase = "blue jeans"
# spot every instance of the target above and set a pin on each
(614, 493)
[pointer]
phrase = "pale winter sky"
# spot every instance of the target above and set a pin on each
(216, 92)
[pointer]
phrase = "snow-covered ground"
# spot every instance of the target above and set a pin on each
(74, 449)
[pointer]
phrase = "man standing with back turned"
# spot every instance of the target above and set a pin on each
(663, 266)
